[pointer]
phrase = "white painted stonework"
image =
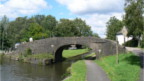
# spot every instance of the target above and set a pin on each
(121, 39)
(31, 39)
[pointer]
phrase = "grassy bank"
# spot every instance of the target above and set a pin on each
(78, 72)
(71, 53)
(128, 68)
(1, 57)
(39, 56)
(41, 59)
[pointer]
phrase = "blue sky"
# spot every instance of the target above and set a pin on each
(95, 12)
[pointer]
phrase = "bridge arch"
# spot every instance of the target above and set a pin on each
(58, 52)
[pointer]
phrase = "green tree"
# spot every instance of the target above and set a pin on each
(65, 28)
(49, 23)
(95, 35)
(35, 31)
(76, 27)
(134, 17)
(38, 19)
(4, 24)
(15, 29)
(82, 28)
(113, 26)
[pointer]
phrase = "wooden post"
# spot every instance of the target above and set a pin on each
(117, 52)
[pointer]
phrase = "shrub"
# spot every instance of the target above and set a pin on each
(28, 51)
(131, 43)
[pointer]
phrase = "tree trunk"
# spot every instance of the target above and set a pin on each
(139, 41)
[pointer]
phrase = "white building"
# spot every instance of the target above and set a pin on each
(122, 36)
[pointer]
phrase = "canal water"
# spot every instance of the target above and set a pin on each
(17, 71)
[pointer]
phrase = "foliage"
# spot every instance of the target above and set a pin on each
(113, 26)
(49, 23)
(15, 29)
(38, 19)
(95, 35)
(78, 72)
(71, 53)
(69, 28)
(35, 31)
(128, 68)
(131, 43)
(134, 17)
(1, 56)
(39, 27)
(4, 24)
(82, 28)
(65, 28)
(28, 51)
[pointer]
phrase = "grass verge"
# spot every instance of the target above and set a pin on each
(91, 55)
(128, 68)
(41, 56)
(71, 53)
(1, 58)
(1, 55)
(78, 72)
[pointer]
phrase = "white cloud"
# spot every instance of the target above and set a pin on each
(93, 6)
(98, 22)
(14, 8)
(95, 12)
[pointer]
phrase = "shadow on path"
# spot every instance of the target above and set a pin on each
(142, 66)
(140, 53)
(133, 60)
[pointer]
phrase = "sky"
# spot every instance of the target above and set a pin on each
(95, 12)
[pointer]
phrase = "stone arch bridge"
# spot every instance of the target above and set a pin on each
(56, 45)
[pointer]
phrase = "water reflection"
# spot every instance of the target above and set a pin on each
(17, 71)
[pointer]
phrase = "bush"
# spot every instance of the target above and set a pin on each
(131, 43)
(28, 51)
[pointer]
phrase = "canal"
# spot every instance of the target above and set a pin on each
(11, 70)
(17, 71)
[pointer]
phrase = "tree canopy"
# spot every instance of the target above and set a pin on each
(40, 27)
(4, 23)
(69, 28)
(133, 18)
(113, 27)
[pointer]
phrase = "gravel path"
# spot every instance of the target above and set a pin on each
(140, 53)
(94, 72)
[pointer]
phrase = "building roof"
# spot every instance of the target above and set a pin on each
(123, 31)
